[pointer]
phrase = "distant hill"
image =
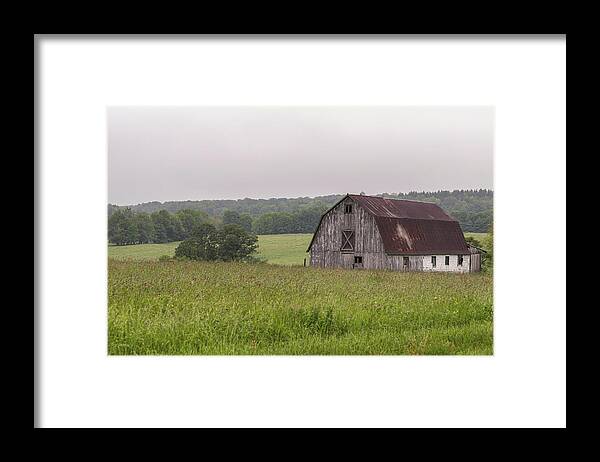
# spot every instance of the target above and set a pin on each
(472, 208)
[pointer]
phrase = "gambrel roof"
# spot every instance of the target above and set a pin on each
(397, 208)
(410, 227)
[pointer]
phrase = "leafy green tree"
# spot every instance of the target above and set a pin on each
(233, 218)
(246, 222)
(121, 228)
(112, 209)
(207, 243)
(488, 258)
(190, 219)
(144, 228)
(307, 219)
(160, 227)
(203, 244)
(176, 232)
(236, 244)
(274, 223)
(490, 241)
(230, 217)
(304, 220)
(167, 227)
(131, 231)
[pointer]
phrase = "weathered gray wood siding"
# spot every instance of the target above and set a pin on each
(325, 250)
(475, 262)
(396, 263)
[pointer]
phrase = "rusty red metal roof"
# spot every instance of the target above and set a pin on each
(397, 208)
(412, 236)
(411, 227)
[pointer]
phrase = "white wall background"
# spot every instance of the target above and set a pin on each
(523, 384)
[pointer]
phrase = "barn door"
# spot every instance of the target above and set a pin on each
(347, 241)
(347, 249)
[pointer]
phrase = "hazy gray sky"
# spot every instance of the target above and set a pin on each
(181, 153)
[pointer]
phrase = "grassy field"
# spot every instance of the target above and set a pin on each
(141, 251)
(279, 249)
(284, 249)
(188, 308)
(184, 308)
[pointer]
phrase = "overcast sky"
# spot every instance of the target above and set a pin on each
(195, 153)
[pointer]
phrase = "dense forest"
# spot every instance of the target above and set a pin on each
(173, 221)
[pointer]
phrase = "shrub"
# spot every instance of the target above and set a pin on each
(207, 243)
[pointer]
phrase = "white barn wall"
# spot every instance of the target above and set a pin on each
(441, 267)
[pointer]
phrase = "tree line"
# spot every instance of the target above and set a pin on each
(173, 221)
(127, 227)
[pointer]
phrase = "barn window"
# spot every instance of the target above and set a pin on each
(460, 260)
(348, 208)
(347, 240)
(447, 260)
(405, 261)
(433, 262)
(357, 260)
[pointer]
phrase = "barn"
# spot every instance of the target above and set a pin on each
(373, 232)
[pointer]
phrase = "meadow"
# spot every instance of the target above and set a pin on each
(223, 308)
(191, 308)
(278, 249)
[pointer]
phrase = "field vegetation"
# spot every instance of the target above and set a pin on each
(162, 306)
(224, 308)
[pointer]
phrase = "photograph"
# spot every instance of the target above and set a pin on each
(300, 230)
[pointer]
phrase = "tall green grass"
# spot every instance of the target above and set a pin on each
(191, 308)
